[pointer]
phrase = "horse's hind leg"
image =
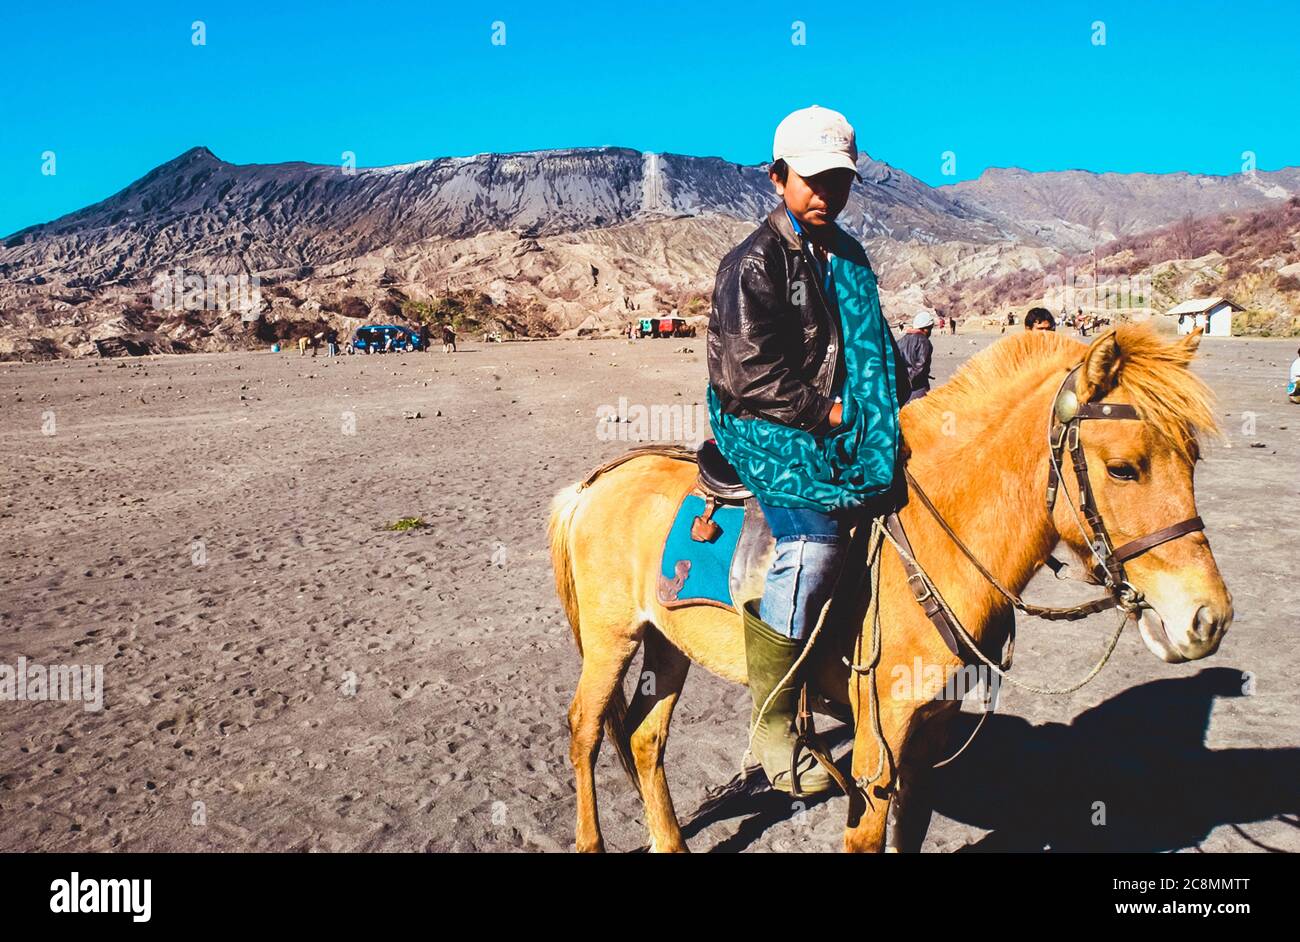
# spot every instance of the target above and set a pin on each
(658, 689)
(603, 667)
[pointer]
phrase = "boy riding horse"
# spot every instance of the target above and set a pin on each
(805, 384)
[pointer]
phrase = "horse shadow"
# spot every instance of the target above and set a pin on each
(1132, 774)
(748, 796)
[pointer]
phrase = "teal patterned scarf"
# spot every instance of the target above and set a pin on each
(788, 467)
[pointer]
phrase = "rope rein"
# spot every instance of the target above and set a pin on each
(1050, 613)
(974, 646)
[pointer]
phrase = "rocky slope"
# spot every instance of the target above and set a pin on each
(1252, 257)
(285, 217)
(578, 239)
(1076, 209)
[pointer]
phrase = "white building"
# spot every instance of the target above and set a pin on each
(1214, 315)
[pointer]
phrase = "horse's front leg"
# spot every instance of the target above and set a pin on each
(899, 805)
(910, 808)
(868, 819)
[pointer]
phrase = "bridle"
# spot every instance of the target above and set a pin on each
(1063, 435)
(1067, 414)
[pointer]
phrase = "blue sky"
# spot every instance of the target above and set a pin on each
(114, 89)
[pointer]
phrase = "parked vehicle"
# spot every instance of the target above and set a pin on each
(374, 338)
(664, 327)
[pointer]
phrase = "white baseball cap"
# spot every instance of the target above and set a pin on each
(812, 140)
(923, 320)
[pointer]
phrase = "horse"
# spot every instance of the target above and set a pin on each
(978, 446)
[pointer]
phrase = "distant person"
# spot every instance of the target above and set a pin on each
(918, 351)
(1040, 318)
(1082, 322)
(332, 342)
(952, 326)
(424, 338)
(1293, 386)
(448, 339)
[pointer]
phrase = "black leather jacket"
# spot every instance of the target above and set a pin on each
(770, 357)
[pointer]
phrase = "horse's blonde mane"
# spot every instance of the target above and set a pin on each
(1153, 371)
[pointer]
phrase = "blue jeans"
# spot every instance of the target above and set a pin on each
(810, 548)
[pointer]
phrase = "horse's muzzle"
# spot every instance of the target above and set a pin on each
(1189, 632)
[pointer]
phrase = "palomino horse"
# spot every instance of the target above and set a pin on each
(978, 445)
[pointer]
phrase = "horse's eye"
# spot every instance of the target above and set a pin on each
(1122, 471)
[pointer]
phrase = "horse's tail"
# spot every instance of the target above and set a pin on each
(563, 508)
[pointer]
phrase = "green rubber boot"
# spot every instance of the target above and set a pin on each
(769, 655)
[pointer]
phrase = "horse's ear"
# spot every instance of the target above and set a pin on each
(1192, 341)
(1100, 372)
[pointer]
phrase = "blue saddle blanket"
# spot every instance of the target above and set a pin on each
(696, 573)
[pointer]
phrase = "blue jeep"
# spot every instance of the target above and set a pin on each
(373, 338)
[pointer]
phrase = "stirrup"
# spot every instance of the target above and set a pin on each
(806, 739)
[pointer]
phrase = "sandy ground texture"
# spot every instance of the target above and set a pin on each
(282, 673)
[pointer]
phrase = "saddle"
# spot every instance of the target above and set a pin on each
(717, 476)
(719, 483)
(719, 487)
(733, 545)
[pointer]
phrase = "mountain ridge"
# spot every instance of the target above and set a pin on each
(584, 235)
